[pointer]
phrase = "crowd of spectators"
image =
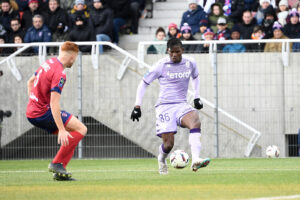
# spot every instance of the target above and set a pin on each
(237, 20)
(60, 20)
(102, 20)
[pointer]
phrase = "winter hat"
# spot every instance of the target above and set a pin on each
(33, 1)
(172, 25)
(294, 13)
(208, 31)
(79, 2)
(186, 28)
(262, 1)
(221, 20)
(276, 26)
(203, 22)
(284, 3)
(193, 1)
(235, 28)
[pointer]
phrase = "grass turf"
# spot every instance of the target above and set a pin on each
(139, 179)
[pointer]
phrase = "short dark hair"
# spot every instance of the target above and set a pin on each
(160, 29)
(174, 42)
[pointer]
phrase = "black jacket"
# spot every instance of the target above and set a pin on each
(292, 30)
(6, 17)
(82, 34)
(121, 8)
(102, 21)
(54, 18)
(237, 8)
(27, 18)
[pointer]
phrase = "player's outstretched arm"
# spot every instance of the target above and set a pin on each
(55, 109)
(30, 83)
(136, 113)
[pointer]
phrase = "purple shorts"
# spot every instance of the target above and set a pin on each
(168, 117)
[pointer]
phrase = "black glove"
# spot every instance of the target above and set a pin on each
(198, 103)
(136, 114)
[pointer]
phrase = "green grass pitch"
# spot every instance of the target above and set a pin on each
(139, 179)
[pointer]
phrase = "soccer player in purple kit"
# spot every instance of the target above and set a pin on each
(172, 109)
(43, 109)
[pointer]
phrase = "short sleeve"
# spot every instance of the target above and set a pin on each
(153, 73)
(58, 81)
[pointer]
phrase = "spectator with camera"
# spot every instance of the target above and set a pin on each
(56, 15)
(39, 32)
(101, 19)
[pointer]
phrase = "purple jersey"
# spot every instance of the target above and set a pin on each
(173, 78)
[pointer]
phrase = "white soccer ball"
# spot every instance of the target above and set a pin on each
(179, 159)
(272, 151)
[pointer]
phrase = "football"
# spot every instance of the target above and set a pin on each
(272, 151)
(179, 159)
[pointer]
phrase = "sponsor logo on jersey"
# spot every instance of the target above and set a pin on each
(179, 74)
(187, 64)
(32, 96)
(61, 82)
(46, 67)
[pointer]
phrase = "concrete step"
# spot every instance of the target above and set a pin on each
(159, 22)
(150, 29)
(174, 5)
(167, 14)
(130, 42)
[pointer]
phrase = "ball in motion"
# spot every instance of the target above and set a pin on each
(272, 151)
(179, 159)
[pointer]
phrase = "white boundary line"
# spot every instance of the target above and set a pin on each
(278, 197)
(145, 170)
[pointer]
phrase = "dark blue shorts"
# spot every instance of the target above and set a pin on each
(47, 122)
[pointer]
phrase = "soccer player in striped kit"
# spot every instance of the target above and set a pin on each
(172, 109)
(43, 109)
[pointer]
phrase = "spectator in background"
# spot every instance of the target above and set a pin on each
(216, 13)
(173, 31)
(101, 19)
(251, 5)
(297, 6)
(193, 16)
(15, 26)
(278, 34)
(28, 14)
(7, 13)
(292, 28)
(22, 4)
(160, 35)
(67, 5)
(39, 32)
(136, 9)
(246, 27)
(18, 39)
(233, 9)
(56, 15)
(265, 7)
(257, 34)
(61, 34)
(293, 3)
(186, 35)
(4, 51)
(223, 33)
(79, 9)
(202, 29)
(206, 5)
(283, 12)
(235, 47)
(208, 36)
(121, 11)
(3, 32)
(267, 24)
(81, 33)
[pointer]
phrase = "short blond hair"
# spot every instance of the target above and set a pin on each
(69, 46)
